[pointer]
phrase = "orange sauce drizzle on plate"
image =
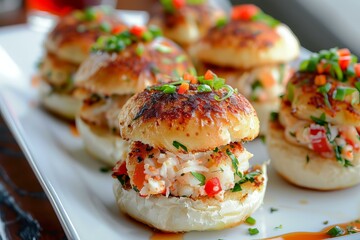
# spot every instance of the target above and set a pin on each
(316, 235)
(167, 236)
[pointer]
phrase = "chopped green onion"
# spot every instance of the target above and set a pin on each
(325, 88)
(341, 92)
(178, 145)
(89, 14)
(229, 93)
(180, 59)
(290, 92)
(237, 187)
(147, 36)
(199, 177)
(274, 116)
(357, 85)
(273, 210)
(336, 71)
(267, 19)
(325, 222)
(321, 120)
(253, 231)
(204, 88)
(335, 231)
(105, 27)
(221, 22)
(235, 162)
(139, 50)
(163, 48)
(351, 230)
(155, 31)
(250, 221)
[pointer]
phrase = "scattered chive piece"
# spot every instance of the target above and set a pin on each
(321, 120)
(279, 227)
(250, 221)
(105, 169)
(178, 145)
(326, 222)
(204, 88)
(139, 50)
(105, 27)
(357, 85)
(307, 159)
(341, 92)
(216, 149)
(263, 139)
(274, 116)
(273, 210)
(253, 231)
(335, 231)
(351, 229)
(199, 177)
(221, 22)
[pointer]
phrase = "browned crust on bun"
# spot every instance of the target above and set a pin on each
(308, 101)
(241, 44)
(72, 38)
(194, 119)
(188, 24)
(127, 72)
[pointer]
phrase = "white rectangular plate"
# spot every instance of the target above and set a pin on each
(82, 196)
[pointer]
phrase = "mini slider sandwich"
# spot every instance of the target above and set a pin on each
(314, 140)
(187, 169)
(185, 21)
(252, 51)
(67, 45)
(120, 66)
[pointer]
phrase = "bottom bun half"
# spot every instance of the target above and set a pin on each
(63, 105)
(182, 214)
(101, 144)
(305, 168)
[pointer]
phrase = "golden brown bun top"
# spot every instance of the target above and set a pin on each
(202, 16)
(128, 72)
(247, 44)
(306, 100)
(72, 37)
(195, 119)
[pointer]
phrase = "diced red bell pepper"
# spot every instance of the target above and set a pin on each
(244, 12)
(137, 30)
(212, 186)
(319, 140)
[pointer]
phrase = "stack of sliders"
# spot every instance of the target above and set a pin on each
(120, 66)
(186, 168)
(314, 140)
(251, 51)
(185, 21)
(67, 46)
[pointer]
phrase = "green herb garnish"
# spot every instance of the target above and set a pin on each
(178, 145)
(321, 120)
(341, 92)
(335, 231)
(250, 221)
(274, 116)
(273, 210)
(253, 231)
(199, 177)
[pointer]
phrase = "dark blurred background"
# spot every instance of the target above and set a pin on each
(319, 24)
